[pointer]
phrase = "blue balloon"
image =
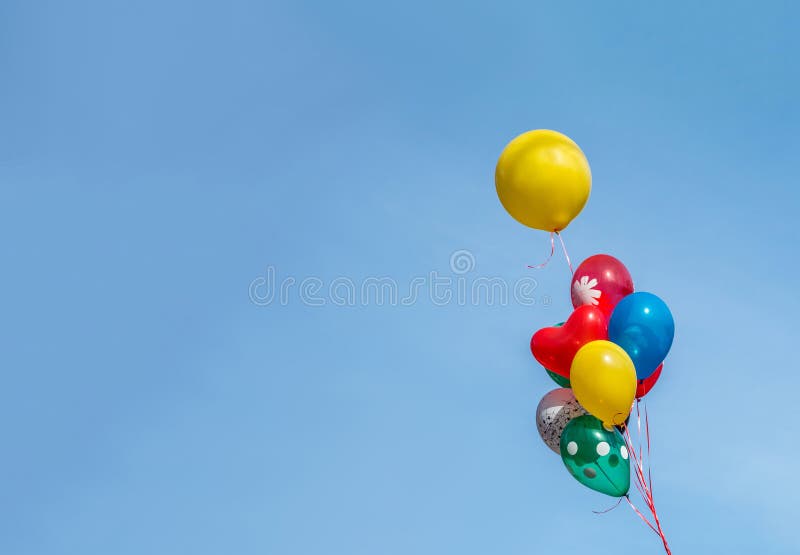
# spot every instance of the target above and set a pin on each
(643, 326)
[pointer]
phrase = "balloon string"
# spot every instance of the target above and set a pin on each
(638, 512)
(647, 434)
(614, 506)
(641, 484)
(552, 251)
(660, 530)
(566, 254)
(639, 428)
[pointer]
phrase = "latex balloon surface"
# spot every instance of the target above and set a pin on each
(560, 380)
(554, 412)
(644, 386)
(543, 179)
(602, 281)
(555, 347)
(642, 325)
(604, 381)
(596, 456)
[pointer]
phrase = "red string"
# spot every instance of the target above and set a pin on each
(552, 251)
(638, 512)
(647, 433)
(644, 486)
(649, 477)
(639, 482)
(639, 428)
(566, 254)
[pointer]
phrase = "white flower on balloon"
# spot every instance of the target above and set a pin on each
(584, 289)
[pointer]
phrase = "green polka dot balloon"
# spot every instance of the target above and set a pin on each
(596, 456)
(558, 378)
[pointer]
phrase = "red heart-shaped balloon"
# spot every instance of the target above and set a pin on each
(555, 347)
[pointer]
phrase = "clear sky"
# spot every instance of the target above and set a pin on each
(158, 158)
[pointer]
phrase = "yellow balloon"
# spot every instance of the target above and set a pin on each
(603, 380)
(543, 179)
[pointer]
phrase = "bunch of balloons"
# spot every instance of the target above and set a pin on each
(610, 350)
(608, 353)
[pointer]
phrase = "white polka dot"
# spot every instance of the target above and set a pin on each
(608, 428)
(572, 447)
(623, 451)
(603, 448)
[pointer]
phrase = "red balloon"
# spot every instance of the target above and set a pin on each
(555, 347)
(645, 385)
(601, 280)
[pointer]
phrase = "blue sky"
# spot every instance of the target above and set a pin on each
(158, 157)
